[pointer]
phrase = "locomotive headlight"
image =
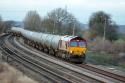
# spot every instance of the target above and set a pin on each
(70, 51)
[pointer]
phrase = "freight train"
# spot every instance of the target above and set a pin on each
(71, 48)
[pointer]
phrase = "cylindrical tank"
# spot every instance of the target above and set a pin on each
(52, 41)
(48, 40)
(34, 36)
(16, 29)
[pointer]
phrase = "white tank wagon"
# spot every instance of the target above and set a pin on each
(51, 41)
(46, 40)
(16, 31)
(72, 48)
(33, 36)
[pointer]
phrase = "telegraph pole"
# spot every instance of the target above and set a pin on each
(54, 27)
(73, 33)
(104, 30)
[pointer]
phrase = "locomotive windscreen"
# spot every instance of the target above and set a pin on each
(77, 44)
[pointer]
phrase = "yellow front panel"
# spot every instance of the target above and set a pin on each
(79, 51)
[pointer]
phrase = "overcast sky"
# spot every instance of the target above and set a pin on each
(81, 9)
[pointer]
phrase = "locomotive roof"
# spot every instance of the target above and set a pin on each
(68, 38)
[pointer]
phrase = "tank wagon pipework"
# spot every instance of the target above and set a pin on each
(72, 48)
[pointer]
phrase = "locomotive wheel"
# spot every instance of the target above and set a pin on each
(33, 44)
(84, 57)
(67, 56)
(57, 54)
(54, 53)
(40, 48)
(43, 49)
(48, 51)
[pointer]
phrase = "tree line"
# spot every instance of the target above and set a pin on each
(60, 21)
(57, 21)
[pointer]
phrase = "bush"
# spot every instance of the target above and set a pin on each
(119, 46)
(101, 59)
(122, 65)
(108, 46)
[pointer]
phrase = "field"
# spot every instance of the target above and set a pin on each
(11, 75)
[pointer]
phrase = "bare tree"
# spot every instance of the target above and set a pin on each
(8, 25)
(58, 21)
(32, 21)
(48, 25)
(2, 28)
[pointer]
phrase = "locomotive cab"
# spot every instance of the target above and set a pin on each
(75, 47)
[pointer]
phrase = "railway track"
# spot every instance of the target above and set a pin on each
(120, 78)
(27, 62)
(50, 69)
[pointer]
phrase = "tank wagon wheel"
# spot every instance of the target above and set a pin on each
(33, 44)
(67, 56)
(40, 47)
(48, 51)
(36, 46)
(24, 41)
(57, 54)
(54, 52)
(44, 50)
(30, 43)
(51, 51)
(27, 42)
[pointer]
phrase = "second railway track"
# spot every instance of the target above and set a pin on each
(103, 72)
(120, 78)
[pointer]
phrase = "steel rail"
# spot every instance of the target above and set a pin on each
(103, 72)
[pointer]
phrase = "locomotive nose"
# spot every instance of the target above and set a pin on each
(77, 51)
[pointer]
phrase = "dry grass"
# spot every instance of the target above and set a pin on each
(11, 75)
